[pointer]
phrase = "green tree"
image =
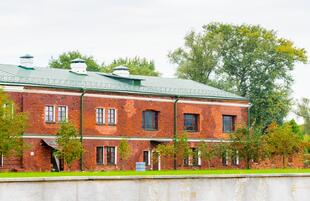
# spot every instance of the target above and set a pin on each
(207, 152)
(303, 110)
(182, 149)
(282, 141)
(70, 147)
(245, 59)
(124, 151)
(12, 126)
(246, 143)
(64, 61)
(136, 65)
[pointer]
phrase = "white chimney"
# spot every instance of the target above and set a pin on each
(78, 66)
(122, 71)
(26, 61)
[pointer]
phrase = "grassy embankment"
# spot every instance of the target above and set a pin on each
(150, 173)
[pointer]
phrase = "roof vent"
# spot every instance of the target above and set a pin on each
(26, 61)
(78, 66)
(122, 71)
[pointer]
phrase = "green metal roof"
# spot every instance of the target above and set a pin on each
(60, 78)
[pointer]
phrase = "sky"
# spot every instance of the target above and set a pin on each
(108, 29)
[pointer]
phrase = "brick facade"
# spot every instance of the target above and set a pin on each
(129, 111)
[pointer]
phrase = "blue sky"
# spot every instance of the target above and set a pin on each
(110, 29)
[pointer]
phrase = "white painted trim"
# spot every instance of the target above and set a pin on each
(35, 91)
(21, 89)
(237, 157)
(118, 138)
(214, 103)
(199, 157)
(115, 158)
(12, 88)
(115, 116)
(54, 113)
(159, 164)
(149, 157)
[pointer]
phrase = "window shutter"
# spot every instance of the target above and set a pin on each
(199, 157)
(149, 157)
(67, 113)
(115, 157)
(54, 113)
(237, 158)
(103, 115)
(115, 116)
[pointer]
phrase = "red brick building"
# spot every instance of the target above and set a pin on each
(106, 108)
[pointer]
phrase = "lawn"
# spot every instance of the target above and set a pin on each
(150, 173)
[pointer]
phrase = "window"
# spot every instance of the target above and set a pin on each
(150, 120)
(100, 118)
(99, 155)
(1, 159)
(111, 155)
(146, 157)
(49, 113)
(191, 122)
(195, 161)
(224, 158)
(235, 158)
(111, 116)
(62, 113)
(228, 123)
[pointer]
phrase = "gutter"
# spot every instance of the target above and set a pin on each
(81, 125)
(249, 115)
(175, 131)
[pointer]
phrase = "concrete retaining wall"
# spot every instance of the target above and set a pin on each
(282, 187)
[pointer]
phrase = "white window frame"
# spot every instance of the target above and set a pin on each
(66, 115)
(115, 116)
(103, 116)
(53, 113)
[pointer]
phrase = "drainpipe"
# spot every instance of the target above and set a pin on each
(175, 132)
(249, 115)
(81, 126)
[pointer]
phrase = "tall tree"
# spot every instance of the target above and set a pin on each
(70, 147)
(303, 110)
(64, 60)
(246, 144)
(124, 151)
(207, 152)
(12, 126)
(136, 65)
(282, 141)
(248, 60)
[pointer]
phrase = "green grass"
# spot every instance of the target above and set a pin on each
(151, 173)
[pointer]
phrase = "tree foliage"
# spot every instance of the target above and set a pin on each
(136, 65)
(282, 141)
(247, 144)
(303, 110)
(207, 152)
(69, 147)
(124, 151)
(12, 126)
(245, 59)
(64, 61)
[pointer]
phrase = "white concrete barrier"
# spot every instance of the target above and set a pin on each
(274, 187)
